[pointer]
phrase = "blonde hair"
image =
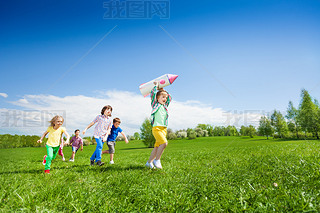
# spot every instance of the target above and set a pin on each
(55, 118)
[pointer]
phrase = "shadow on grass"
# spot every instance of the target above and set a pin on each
(116, 168)
(79, 168)
(136, 148)
(30, 171)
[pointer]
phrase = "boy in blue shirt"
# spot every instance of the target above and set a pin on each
(111, 141)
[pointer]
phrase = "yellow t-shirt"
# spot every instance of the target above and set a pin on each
(55, 136)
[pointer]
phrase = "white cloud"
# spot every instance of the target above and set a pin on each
(130, 107)
(3, 95)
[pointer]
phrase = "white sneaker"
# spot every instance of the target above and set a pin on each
(150, 165)
(157, 164)
(63, 159)
(71, 160)
(111, 162)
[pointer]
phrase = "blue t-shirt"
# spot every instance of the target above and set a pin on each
(114, 133)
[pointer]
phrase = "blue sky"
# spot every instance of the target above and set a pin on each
(232, 55)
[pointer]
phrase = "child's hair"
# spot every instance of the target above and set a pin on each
(76, 130)
(55, 118)
(160, 91)
(104, 109)
(116, 120)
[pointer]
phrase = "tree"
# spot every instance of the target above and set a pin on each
(182, 134)
(146, 133)
(243, 131)
(251, 131)
(231, 131)
(265, 127)
(308, 114)
(199, 132)
(136, 136)
(207, 130)
(279, 124)
(218, 131)
(191, 134)
(292, 115)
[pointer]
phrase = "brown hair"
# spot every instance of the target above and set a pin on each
(104, 109)
(160, 91)
(76, 130)
(116, 120)
(55, 118)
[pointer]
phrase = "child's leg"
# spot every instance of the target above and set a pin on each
(55, 152)
(72, 156)
(153, 154)
(161, 142)
(51, 155)
(61, 153)
(97, 153)
(160, 150)
(111, 146)
(105, 152)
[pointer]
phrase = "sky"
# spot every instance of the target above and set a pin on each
(236, 60)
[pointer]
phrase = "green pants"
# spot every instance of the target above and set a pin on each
(51, 155)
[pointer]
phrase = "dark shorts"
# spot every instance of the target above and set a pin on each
(111, 145)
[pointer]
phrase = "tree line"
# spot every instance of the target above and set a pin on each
(300, 122)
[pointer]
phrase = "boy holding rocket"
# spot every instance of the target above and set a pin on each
(160, 101)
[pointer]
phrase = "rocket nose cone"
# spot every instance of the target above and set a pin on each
(172, 78)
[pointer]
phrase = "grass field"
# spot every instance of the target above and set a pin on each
(217, 174)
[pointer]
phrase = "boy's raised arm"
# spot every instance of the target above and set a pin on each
(153, 94)
(168, 99)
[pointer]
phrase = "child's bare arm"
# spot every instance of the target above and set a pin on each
(125, 137)
(107, 134)
(62, 141)
(68, 136)
(90, 125)
(43, 135)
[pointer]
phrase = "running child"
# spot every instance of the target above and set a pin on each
(55, 131)
(76, 141)
(159, 121)
(111, 140)
(101, 132)
(60, 152)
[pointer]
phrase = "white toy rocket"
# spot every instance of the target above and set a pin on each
(163, 80)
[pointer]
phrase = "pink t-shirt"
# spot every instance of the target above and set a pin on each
(76, 142)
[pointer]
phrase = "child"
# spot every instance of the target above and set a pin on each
(159, 120)
(76, 141)
(55, 131)
(111, 141)
(60, 152)
(101, 132)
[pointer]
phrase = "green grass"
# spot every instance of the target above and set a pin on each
(218, 174)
